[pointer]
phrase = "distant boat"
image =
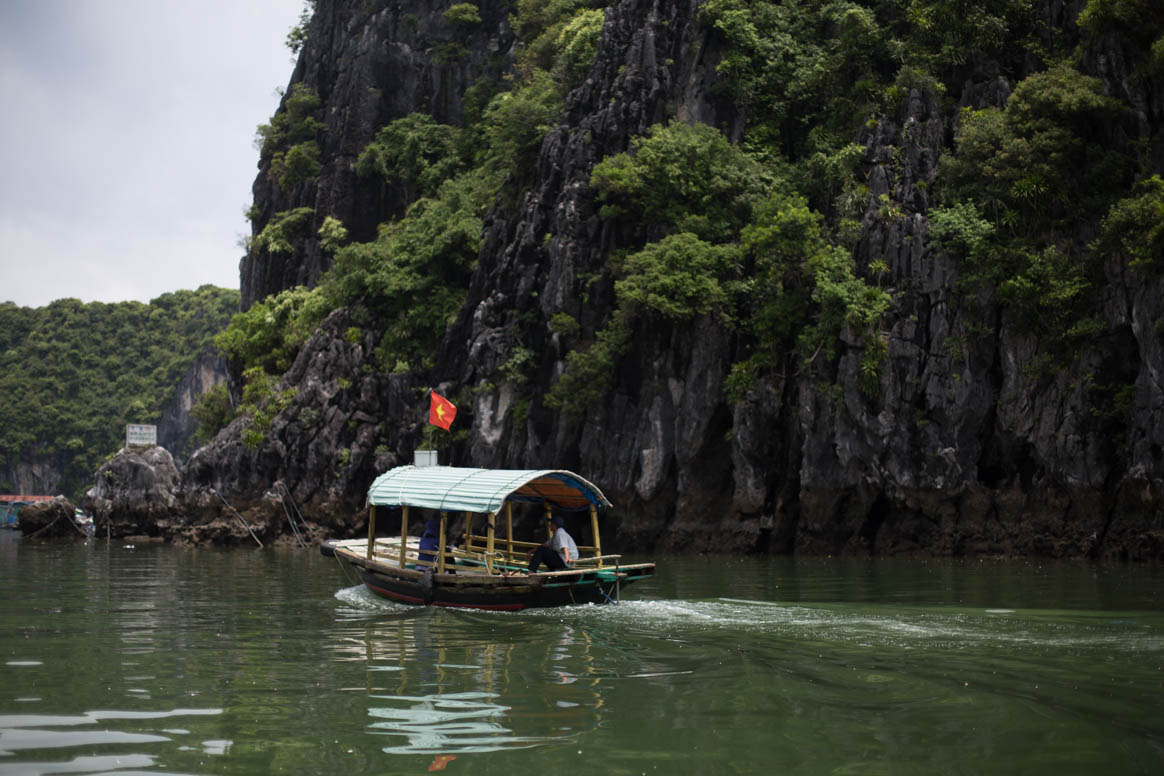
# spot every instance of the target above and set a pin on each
(485, 570)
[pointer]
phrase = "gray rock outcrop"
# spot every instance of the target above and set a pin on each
(50, 520)
(135, 494)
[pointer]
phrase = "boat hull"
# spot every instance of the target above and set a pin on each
(489, 597)
(492, 592)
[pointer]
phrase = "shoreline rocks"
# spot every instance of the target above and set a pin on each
(50, 519)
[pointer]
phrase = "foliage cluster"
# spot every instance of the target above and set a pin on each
(688, 177)
(1137, 21)
(515, 121)
(462, 14)
(289, 141)
(1022, 181)
(559, 37)
(297, 35)
(811, 73)
(1134, 226)
(413, 278)
(416, 153)
(73, 374)
(270, 332)
(736, 242)
(281, 232)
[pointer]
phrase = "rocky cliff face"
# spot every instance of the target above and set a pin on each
(960, 449)
(34, 475)
(323, 450)
(369, 63)
(176, 427)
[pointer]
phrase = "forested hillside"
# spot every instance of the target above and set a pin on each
(73, 374)
(836, 275)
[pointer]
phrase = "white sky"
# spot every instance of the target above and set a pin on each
(127, 141)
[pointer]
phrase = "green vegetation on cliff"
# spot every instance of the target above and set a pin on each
(1030, 196)
(411, 281)
(73, 374)
(289, 142)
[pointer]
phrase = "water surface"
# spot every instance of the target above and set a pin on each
(150, 660)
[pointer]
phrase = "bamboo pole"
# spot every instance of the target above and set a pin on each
(489, 543)
(441, 549)
(403, 534)
(594, 530)
(468, 530)
(549, 514)
(371, 530)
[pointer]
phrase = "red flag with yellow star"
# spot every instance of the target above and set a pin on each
(441, 411)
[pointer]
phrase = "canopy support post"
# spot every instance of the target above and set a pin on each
(594, 530)
(441, 557)
(371, 530)
(509, 531)
(469, 531)
(403, 534)
(549, 525)
(489, 543)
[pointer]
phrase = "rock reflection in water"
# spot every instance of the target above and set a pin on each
(448, 682)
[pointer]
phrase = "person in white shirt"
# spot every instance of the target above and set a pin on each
(558, 552)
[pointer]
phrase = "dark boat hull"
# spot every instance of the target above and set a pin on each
(486, 597)
(492, 592)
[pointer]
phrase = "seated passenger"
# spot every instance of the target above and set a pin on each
(429, 541)
(558, 552)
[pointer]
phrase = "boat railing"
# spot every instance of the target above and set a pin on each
(476, 544)
(473, 562)
(597, 560)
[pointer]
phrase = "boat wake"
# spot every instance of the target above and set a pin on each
(912, 627)
(359, 602)
(861, 624)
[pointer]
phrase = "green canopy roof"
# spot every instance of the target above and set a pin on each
(455, 489)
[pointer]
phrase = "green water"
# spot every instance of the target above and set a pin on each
(150, 660)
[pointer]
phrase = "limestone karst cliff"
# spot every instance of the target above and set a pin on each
(959, 422)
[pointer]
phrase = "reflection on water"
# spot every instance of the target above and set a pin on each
(24, 732)
(446, 723)
(446, 685)
(95, 764)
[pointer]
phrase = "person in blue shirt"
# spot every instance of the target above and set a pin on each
(558, 552)
(429, 541)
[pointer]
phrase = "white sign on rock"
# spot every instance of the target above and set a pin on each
(137, 435)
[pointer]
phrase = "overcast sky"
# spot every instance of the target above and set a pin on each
(127, 141)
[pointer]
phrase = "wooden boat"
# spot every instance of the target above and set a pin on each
(485, 570)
